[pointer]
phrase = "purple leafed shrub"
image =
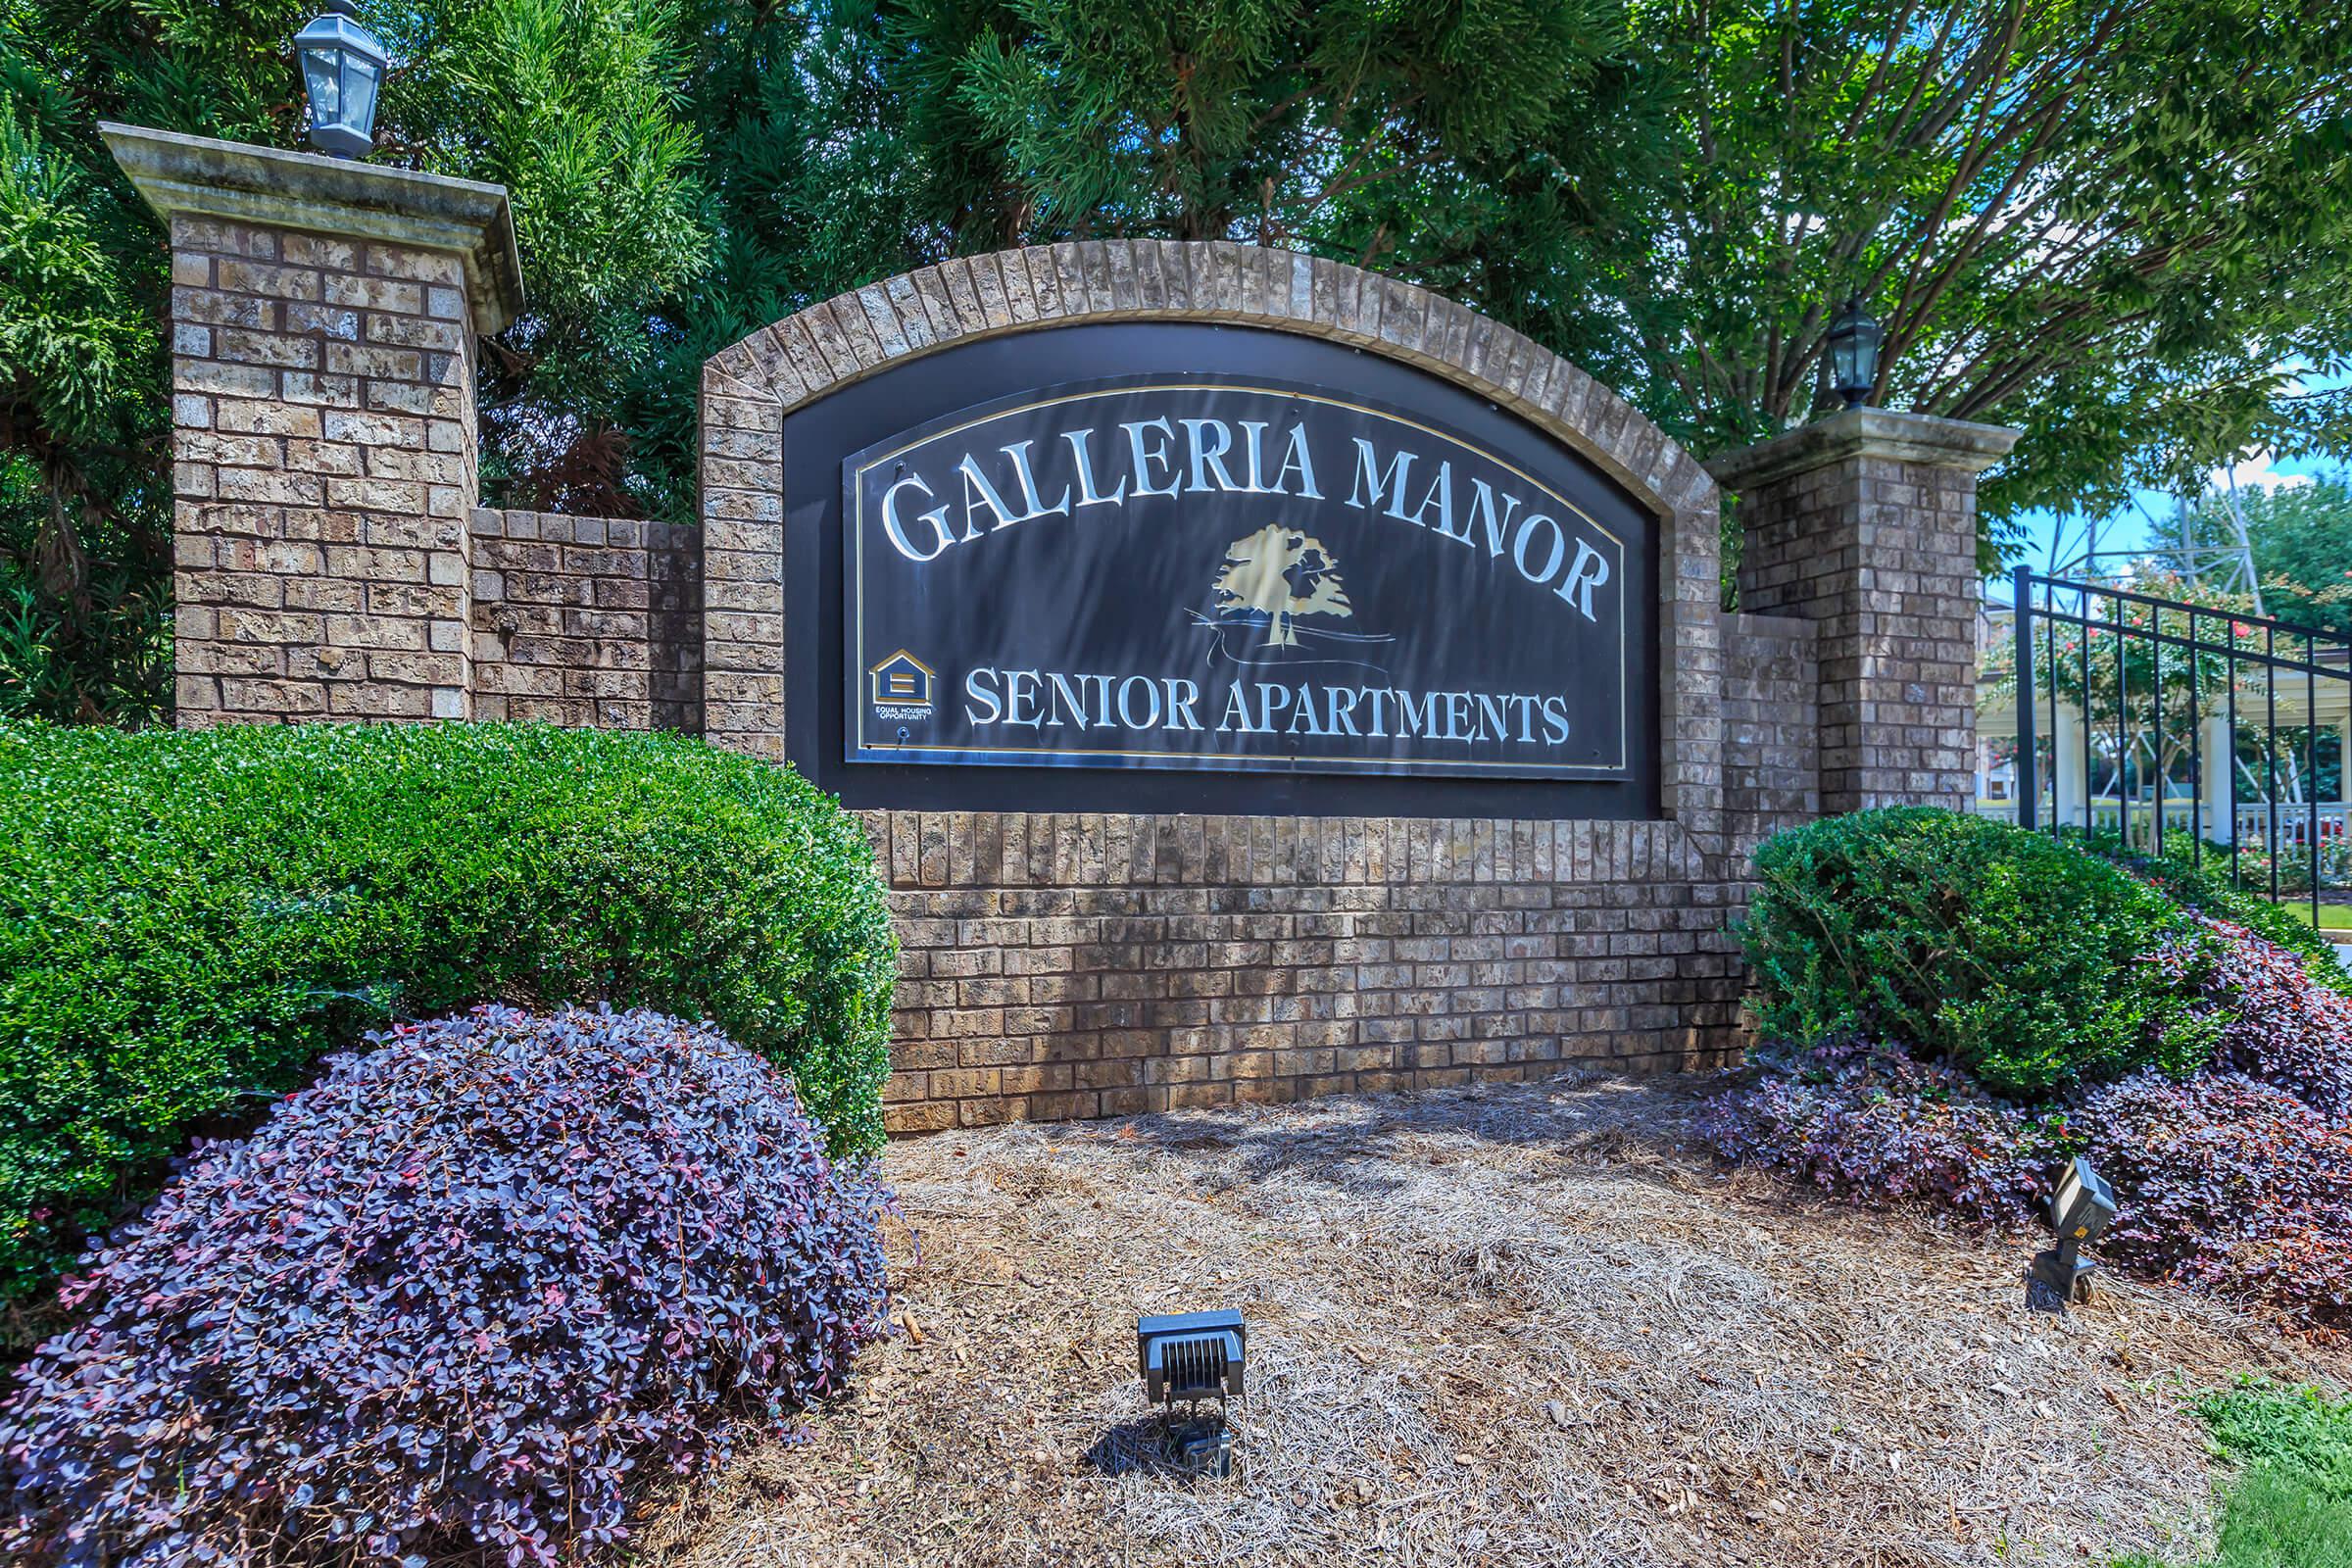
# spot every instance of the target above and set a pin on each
(2235, 1177)
(1872, 1122)
(2280, 1025)
(459, 1297)
(2226, 1183)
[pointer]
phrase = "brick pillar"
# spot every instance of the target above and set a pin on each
(1866, 525)
(324, 463)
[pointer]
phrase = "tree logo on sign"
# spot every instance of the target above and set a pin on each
(1280, 573)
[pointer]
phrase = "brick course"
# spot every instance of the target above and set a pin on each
(1061, 967)
(1772, 743)
(589, 622)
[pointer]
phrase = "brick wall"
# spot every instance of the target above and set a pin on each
(1085, 966)
(587, 622)
(1894, 594)
(334, 563)
(323, 465)
(1090, 965)
(1772, 740)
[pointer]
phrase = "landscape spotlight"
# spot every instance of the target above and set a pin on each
(1189, 1358)
(342, 66)
(1855, 340)
(2082, 1206)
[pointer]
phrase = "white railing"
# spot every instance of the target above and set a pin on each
(2250, 817)
(2253, 820)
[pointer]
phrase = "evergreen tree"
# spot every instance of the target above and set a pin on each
(815, 185)
(577, 107)
(1486, 147)
(575, 104)
(84, 520)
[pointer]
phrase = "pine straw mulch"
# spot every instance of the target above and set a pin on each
(1515, 1324)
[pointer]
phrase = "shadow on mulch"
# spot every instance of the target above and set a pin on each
(1134, 1448)
(1355, 1150)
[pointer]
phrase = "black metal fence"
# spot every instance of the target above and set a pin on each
(2184, 728)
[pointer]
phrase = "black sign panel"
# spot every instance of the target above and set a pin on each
(1232, 571)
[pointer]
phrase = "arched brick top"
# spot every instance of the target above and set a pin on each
(854, 334)
(749, 389)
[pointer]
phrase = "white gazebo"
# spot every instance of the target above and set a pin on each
(2289, 702)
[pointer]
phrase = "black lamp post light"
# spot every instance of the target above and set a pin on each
(1855, 340)
(1189, 1358)
(2082, 1206)
(342, 67)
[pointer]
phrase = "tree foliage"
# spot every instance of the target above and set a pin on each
(2107, 221)
(576, 107)
(2300, 538)
(1486, 148)
(83, 530)
(575, 104)
(1385, 132)
(812, 183)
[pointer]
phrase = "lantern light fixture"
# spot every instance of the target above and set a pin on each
(1853, 345)
(342, 68)
(2082, 1206)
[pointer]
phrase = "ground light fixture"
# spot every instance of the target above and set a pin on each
(1188, 1360)
(342, 66)
(2082, 1206)
(1855, 340)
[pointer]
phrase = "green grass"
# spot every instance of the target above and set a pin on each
(2276, 1519)
(2290, 1503)
(2333, 917)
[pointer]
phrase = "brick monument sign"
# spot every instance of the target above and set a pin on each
(1259, 677)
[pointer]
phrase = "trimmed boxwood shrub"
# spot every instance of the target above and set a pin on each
(188, 921)
(2026, 960)
(464, 1296)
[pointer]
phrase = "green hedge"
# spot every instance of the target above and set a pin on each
(189, 921)
(2022, 958)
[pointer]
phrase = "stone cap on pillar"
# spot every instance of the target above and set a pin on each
(333, 196)
(1924, 438)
